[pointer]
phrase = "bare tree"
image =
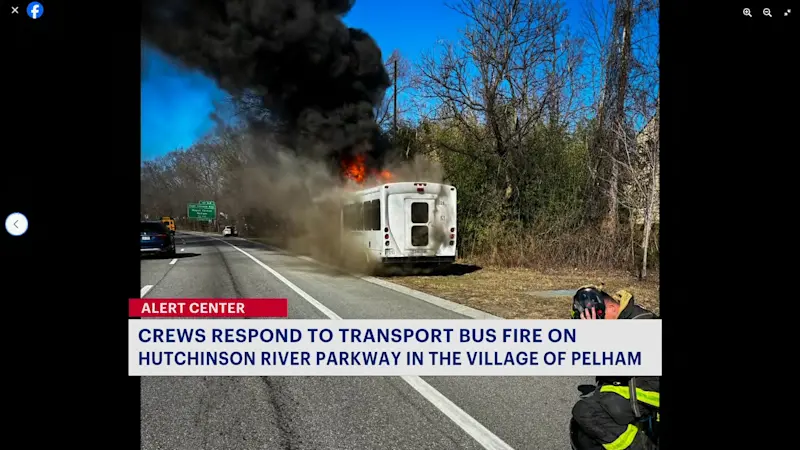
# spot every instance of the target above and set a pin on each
(611, 113)
(651, 152)
(597, 20)
(395, 104)
(511, 68)
(637, 159)
(624, 50)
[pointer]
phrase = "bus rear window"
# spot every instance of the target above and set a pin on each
(419, 236)
(419, 212)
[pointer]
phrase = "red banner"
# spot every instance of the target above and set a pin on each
(217, 307)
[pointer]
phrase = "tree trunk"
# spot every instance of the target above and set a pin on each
(648, 218)
(619, 68)
(633, 225)
(645, 247)
(612, 212)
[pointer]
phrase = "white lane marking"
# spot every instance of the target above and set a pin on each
(480, 433)
(472, 427)
(173, 261)
(145, 290)
(324, 309)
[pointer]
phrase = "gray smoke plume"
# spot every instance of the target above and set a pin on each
(308, 85)
(293, 62)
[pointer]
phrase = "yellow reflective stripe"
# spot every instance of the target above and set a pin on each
(624, 441)
(648, 397)
(658, 417)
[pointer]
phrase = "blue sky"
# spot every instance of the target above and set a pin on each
(176, 103)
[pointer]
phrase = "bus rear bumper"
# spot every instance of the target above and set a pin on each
(418, 260)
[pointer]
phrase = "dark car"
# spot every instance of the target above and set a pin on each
(156, 239)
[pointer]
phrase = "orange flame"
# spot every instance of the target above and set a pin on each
(385, 176)
(355, 169)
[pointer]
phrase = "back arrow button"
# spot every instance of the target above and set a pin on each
(16, 224)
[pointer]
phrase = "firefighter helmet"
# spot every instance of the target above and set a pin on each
(586, 298)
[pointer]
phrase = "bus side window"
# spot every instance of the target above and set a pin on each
(365, 215)
(369, 215)
(376, 214)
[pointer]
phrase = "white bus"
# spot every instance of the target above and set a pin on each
(402, 223)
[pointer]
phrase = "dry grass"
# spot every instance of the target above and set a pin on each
(512, 293)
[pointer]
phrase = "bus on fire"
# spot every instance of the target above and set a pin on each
(402, 223)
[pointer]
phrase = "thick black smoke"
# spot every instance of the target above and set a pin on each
(319, 79)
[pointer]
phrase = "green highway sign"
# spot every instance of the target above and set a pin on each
(204, 210)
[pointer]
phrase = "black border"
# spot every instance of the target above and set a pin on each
(673, 85)
(127, 69)
(71, 164)
(727, 121)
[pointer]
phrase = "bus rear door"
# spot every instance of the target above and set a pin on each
(420, 240)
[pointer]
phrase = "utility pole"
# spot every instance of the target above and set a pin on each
(395, 97)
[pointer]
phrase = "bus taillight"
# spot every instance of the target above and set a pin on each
(452, 243)
(386, 236)
(452, 236)
(452, 230)
(386, 230)
(388, 243)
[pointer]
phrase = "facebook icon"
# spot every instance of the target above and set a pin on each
(35, 10)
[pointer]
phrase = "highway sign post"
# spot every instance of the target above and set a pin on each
(204, 210)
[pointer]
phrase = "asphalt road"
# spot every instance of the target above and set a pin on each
(299, 413)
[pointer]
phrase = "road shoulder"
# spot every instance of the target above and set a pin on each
(449, 305)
